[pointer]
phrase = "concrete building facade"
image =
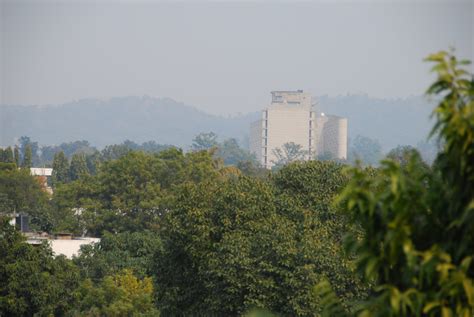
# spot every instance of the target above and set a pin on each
(331, 136)
(291, 118)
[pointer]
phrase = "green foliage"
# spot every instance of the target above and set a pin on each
(60, 169)
(32, 281)
(204, 141)
(69, 149)
(28, 157)
(7, 155)
(231, 153)
(402, 154)
(121, 294)
(26, 145)
(289, 152)
(130, 193)
(259, 313)
(251, 168)
(207, 266)
(116, 151)
(74, 205)
(78, 167)
(418, 224)
(241, 243)
(116, 252)
(329, 300)
(93, 162)
(365, 149)
(17, 156)
(306, 191)
(313, 183)
(21, 193)
(113, 152)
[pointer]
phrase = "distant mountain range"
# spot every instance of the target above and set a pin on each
(392, 122)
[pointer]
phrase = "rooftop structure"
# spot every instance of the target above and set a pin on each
(60, 245)
(291, 98)
(44, 174)
(41, 171)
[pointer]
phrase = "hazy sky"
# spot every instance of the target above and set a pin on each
(223, 57)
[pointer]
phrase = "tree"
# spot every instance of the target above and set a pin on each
(251, 168)
(418, 224)
(27, 157)
(204, 141)
(240, 243)
(231, 153)
(289, 152)
(76, 147)
(21, 193)
(93, 162)
(121, 294)
(365, 149)
(402, 154)
(116, 252)
(130, 193)
(153, 147)
(32, 281)
(78, 167)
(60, 169)
(17, 156)
(113, 152)
(8, 155)
(26, 142)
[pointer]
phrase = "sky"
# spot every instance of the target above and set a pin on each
(223, 57)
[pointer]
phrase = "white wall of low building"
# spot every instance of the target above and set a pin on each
(70, 248)
(41, 171)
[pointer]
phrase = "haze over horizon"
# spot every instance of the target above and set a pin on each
(225, 57)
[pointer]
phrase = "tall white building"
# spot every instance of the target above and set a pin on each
(290, 118)
(330, 136)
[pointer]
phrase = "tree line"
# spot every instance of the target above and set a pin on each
(183, 234)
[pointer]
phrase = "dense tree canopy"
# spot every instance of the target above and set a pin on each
(130, 193)
(182, 234)
(32, 281)
(116, 252)
(60, 173)
(418, 224)
(22, 193)
(366, 150)
(121, 294)
(243, 243)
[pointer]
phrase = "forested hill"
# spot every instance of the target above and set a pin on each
(392, 122)
(106, 122)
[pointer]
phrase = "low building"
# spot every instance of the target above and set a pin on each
(71, 247)
(41, 171)
(63, 244)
